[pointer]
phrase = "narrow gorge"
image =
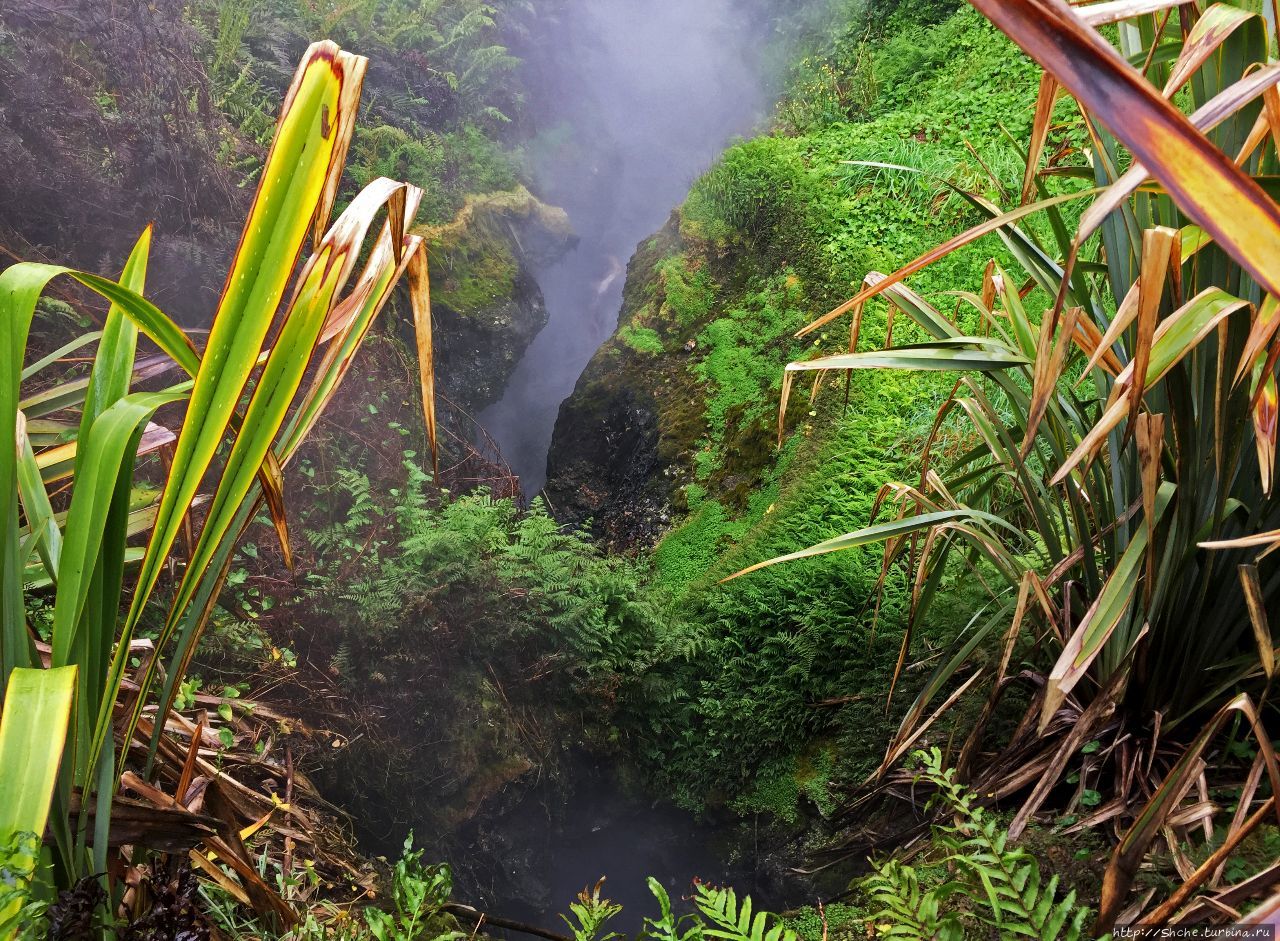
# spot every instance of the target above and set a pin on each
(669, 470)
(632, 105)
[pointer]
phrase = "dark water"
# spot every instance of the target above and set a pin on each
(634, 100)
(562, 843)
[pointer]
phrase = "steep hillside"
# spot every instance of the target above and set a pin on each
(670, 439)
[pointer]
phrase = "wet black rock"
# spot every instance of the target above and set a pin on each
(604, 463)
(625, 437)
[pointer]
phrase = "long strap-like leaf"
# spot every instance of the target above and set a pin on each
(21, 286)
(344, 331)
(1203, 181)
(277, 386)
(294, 181)
(33, 730)
(295, 193)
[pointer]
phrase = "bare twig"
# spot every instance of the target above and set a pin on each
(475, 915)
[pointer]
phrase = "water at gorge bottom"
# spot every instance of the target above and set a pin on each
(557, 843)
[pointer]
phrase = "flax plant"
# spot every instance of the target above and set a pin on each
(241, 406)
(1117, 403)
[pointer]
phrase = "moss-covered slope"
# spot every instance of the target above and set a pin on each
(486, 302)
(780, 678)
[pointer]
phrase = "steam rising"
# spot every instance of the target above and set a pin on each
(637, 98)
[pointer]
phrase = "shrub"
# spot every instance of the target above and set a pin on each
(522, 587)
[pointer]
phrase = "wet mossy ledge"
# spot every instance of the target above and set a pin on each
(485, 296)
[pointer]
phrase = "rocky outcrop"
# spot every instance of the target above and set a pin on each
(485, 297)
(605, 463)
(676, 408)
(632, 423)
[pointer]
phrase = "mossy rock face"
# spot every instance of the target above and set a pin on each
(476, 258)
(632, 415)
(636, 432)
(474, 275)
(485, 298)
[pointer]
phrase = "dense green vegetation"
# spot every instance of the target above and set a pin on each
(1144, 392)
(779, 229)
(518, 581)
(1084, 542)
(464, 620)
(442, 90)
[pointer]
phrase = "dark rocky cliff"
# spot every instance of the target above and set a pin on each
(679, 405)
(632, 421)
(485, 298)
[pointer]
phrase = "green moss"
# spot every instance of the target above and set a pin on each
(779, 785)
(835, 922)
(775, 790)
(472, 275)
(473, 264)
(814, 777)
(689, 293)
(641, 339)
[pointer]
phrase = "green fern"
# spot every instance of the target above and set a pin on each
(732, 921)
(590, 914)
(233, 23)
(907, 910)
(667, 927)
(1002, 883)
(391, 561)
